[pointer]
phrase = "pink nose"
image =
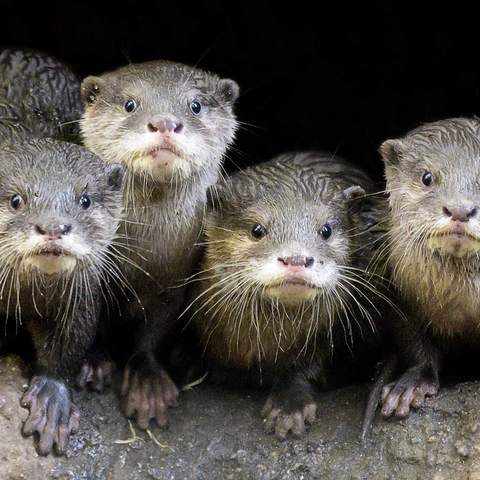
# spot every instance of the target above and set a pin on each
(165, 125)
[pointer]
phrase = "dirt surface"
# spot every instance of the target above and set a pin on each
(218, 434)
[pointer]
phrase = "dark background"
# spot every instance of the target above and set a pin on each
(337, 77)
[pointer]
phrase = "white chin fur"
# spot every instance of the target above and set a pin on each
(454, 246)
(162, 165)
(50, 264)
(291, 294)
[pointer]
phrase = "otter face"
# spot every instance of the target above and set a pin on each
(160, 119)
(284, 245)
(59, 208)
(433, 177)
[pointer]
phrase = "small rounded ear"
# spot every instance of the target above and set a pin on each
(391, 151)
(353, 193)
(90, 89)
(228, 90)
(115, 173)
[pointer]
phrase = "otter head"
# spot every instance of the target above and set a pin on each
(282, 236)
(433, 174)
(60, 206)
(161, 119)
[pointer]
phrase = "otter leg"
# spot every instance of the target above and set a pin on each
(410, 390)
(290, 407)
(147, 390)
(53, 416)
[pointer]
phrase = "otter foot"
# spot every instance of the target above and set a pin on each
(284, 417)
(53, 415)
(410, 390)
(147, 391)
(96, 374)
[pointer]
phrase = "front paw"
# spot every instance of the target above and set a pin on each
(410, 390)
(148, 391)
(96, 374)
(53, 415)
(282, 417)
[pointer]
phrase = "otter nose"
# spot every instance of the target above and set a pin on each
(297, 261)
(462, 213)
(165, 125)
(56, 231)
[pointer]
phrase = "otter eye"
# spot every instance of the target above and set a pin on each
(16, 201)
(258, 231)
(195, 107)
(130, 105)
(85, 201)
(326, 231)
(427, 179)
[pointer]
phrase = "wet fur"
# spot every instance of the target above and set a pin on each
(263, 340)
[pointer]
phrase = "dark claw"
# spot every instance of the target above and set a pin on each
(53, 415)
(147, 391)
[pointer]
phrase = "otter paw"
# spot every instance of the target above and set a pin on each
(281, 421)
(409, 391)
(53, 415)
(148, 391)
(96, 374)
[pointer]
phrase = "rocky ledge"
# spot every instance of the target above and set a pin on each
(217, 434)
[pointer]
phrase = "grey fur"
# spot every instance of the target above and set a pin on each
(293, 196)
(163, 214)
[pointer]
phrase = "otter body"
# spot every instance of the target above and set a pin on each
(284, 276)
(170, 124)
(59, 210)
(432, 178)
(39, 96)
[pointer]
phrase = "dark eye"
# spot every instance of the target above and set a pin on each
(16, 201)
(258, 231)
(326, 231)
(85, 201)
(130, 105)
(427, 179)
(195, 107)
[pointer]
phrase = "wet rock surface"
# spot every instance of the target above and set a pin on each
(218, 434)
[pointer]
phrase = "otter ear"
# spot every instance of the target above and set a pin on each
(115, 173)
(228, 90)
(90, 89)
(391, 151)
(354, 197)
(354, 193)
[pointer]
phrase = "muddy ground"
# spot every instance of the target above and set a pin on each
(217, 434)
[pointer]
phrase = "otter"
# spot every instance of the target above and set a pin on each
(60, 207)
(432, 179)
(39, 96)
(284, 277)
(170, 125)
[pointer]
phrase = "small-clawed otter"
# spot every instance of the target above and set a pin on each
(170, 124)
(39, 96)
(284, 275)
(433, 176)
(60, 207)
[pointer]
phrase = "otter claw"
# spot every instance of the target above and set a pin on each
(96, 375)
(281, 422)
(408, 392)
(148, 392)
(53, 415)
